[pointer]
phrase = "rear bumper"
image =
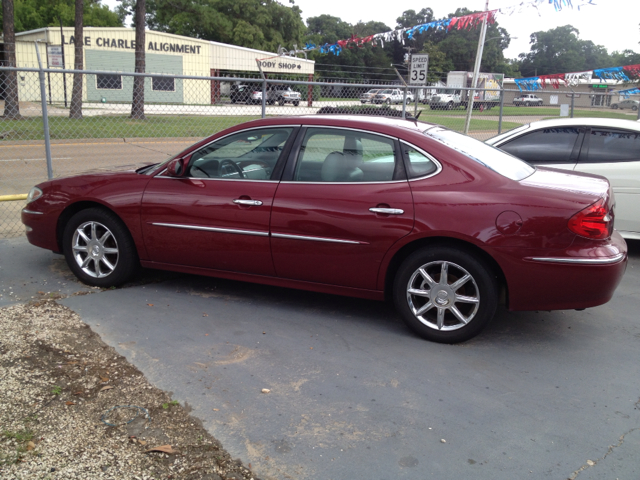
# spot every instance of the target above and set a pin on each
(581, 276)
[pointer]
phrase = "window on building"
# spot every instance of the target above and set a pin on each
(108, 82)
(163, 84)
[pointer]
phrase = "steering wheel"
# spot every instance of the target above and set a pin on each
(234, 165)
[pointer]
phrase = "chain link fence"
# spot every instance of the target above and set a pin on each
(43, 137)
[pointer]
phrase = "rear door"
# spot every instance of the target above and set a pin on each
(343, 202)
(615, 154)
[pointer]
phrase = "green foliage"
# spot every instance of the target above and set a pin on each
(260, 24)
(172, 403)
(56, 390)
(560, 50)
(33, 14)
(351, 62)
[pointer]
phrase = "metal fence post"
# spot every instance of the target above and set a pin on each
(501, 110)
(45, 116)
(404, 97)
(264, 89)
(573, 101)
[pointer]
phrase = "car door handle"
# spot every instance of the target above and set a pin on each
(241, 201)
(388, 211)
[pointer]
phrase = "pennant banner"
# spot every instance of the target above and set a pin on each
(613, 73)
(530, 84)
(627, 93)
(465, 22)
(572, 79)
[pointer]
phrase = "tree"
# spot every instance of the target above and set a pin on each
(34, 14)
(11, 102)
(626, 57)
(76, 93)
(137, 104)
(260, 24)
(363, 64)
(555, 51)
(461, 46)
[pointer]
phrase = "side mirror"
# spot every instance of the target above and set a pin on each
(175, 168)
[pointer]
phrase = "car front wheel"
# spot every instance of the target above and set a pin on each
(445, 295)
(99, 249)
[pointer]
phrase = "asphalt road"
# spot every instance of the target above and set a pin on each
(353, 394)
(24, 165)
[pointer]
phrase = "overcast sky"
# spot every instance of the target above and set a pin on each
(613, 24)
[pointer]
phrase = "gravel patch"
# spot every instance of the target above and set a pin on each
(72, 408)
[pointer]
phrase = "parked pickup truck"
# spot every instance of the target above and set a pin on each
(528, 100)
(391, 95)
(287, 95)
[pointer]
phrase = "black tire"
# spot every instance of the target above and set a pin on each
(615, 106)
(107, 240)
(450, 106)
(439, 323)
(388, 101)
(296, 103)
(281, 102)
(634, 108)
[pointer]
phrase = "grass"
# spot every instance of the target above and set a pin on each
(172, 403)
(119, 127)
(200, 126)
(21, 438)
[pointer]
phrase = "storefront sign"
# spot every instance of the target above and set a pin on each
(106, 42)
(280, 65)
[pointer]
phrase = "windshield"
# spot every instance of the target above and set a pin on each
(497, 160)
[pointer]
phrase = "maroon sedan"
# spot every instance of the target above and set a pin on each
(364, 207)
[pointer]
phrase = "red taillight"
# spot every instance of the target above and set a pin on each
(595, 221)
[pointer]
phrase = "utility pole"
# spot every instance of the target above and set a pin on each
(476, 69)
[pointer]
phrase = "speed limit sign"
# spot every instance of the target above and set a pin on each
(418, 71)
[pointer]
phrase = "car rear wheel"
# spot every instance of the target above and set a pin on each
(614, 106)
(634, 108)
(445, 295)
(99, 249)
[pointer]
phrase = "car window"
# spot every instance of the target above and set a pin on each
(337, 155)
(544, 146)
(418, 163)
(608, 145)
(497, 160)
(248, 155)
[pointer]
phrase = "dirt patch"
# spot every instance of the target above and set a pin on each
(72, 408)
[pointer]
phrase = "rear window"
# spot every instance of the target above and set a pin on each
(491, 157)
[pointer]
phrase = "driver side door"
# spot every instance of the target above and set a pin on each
(216, 216)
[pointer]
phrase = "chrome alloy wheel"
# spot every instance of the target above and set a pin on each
(95, 249)
(443, 296)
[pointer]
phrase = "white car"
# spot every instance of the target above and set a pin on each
(528, 100)
(604, 146)
(391, 95)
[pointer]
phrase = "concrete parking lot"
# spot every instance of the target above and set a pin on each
(353, 394)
